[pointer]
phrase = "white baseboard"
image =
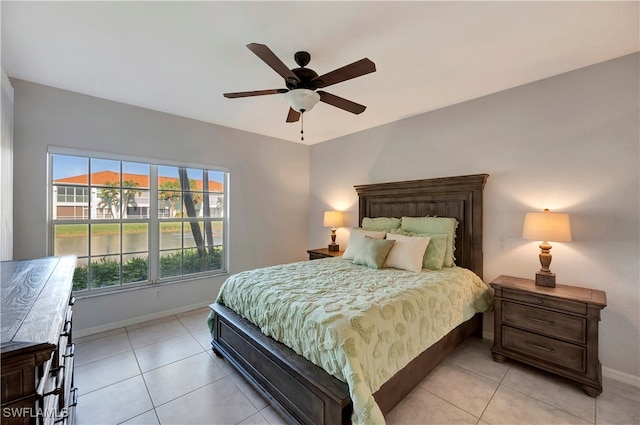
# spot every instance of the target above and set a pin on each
(116, 325)
(625, 378)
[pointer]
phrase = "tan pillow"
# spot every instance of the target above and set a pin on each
(407, 252)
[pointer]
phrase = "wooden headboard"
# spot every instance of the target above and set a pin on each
(458, 197)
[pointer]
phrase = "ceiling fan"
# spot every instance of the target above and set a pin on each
(303, 83)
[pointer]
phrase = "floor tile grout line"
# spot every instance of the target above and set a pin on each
(494, 394)
(171, 362)
(140, 414)
(176, 361)
(164, 339)
(143, 381)
(188, 392)
(112, 383)
(549, 404)
(420, 388)
(542, 401)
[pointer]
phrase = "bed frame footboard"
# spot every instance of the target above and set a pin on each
(301, 392)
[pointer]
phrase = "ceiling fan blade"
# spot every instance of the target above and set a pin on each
(347, 72)
(254, 93)
(293, 115)
(341, 103)
(270, 58)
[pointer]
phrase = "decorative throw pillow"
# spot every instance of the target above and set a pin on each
(434, 254)
(426, 225)
(381, 223)
(356, 236)
(407, 253)
(372, 252)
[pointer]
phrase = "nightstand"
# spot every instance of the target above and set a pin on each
(315, 254)
(555, 329)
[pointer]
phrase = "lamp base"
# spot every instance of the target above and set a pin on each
(547, 279)
(334, 247)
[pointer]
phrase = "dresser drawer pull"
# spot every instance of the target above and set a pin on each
(72, 301)
(535, 319)
(74, 397)
(540, 347)
(59, 383)
(71, 350)
(67, 329)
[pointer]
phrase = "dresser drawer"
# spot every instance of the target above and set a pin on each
(543, 301)
(563, 326)
(548, 349)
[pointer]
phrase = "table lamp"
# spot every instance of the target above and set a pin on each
(333, 219)
(546, 226)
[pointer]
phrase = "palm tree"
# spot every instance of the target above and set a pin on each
(170, 192)
(129, 194)
(110, 198)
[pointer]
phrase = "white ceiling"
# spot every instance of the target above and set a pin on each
(180, 57)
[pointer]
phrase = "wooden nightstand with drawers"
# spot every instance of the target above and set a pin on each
(315, 254)
(555, 329)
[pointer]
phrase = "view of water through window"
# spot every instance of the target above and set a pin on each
(104, 211)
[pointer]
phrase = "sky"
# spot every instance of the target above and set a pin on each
(68, 166)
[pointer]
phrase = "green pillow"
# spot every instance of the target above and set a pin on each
(381, 223)
(426, 225)
(436, 251)
(434, 255)
(372, 252)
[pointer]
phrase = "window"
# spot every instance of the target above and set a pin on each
(133, 222)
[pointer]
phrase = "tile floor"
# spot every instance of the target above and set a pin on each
(163, 372)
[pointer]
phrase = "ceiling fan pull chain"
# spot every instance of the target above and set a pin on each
(302, 126)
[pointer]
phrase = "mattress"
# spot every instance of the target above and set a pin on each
(361, 325)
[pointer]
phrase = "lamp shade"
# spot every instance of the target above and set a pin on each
(333, 219)
(302, 100)
(547, 226)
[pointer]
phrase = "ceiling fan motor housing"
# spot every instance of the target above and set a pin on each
(305, 75)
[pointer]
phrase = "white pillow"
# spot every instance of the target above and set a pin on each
(356, 236)
(407, 252)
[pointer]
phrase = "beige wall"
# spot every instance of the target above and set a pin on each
(569, 143)
(6, 170)
(269, 188)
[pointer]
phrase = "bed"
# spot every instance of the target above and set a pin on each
(302, 392)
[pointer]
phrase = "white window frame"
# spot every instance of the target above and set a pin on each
(153, 221)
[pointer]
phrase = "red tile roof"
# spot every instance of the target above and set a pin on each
(101, 178)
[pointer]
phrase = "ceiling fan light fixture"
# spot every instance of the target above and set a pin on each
(302, 100)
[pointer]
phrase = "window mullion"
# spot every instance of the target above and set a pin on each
(154, 226)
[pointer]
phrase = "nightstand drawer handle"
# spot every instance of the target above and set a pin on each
(539, 347)
(535, 319)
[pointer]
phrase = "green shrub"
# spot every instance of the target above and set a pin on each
(106, 272)
(80, 278)
(136, 269)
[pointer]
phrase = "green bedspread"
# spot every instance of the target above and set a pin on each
(361, 325)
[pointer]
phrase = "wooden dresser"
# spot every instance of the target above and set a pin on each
(555, 329)
(37, 349)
